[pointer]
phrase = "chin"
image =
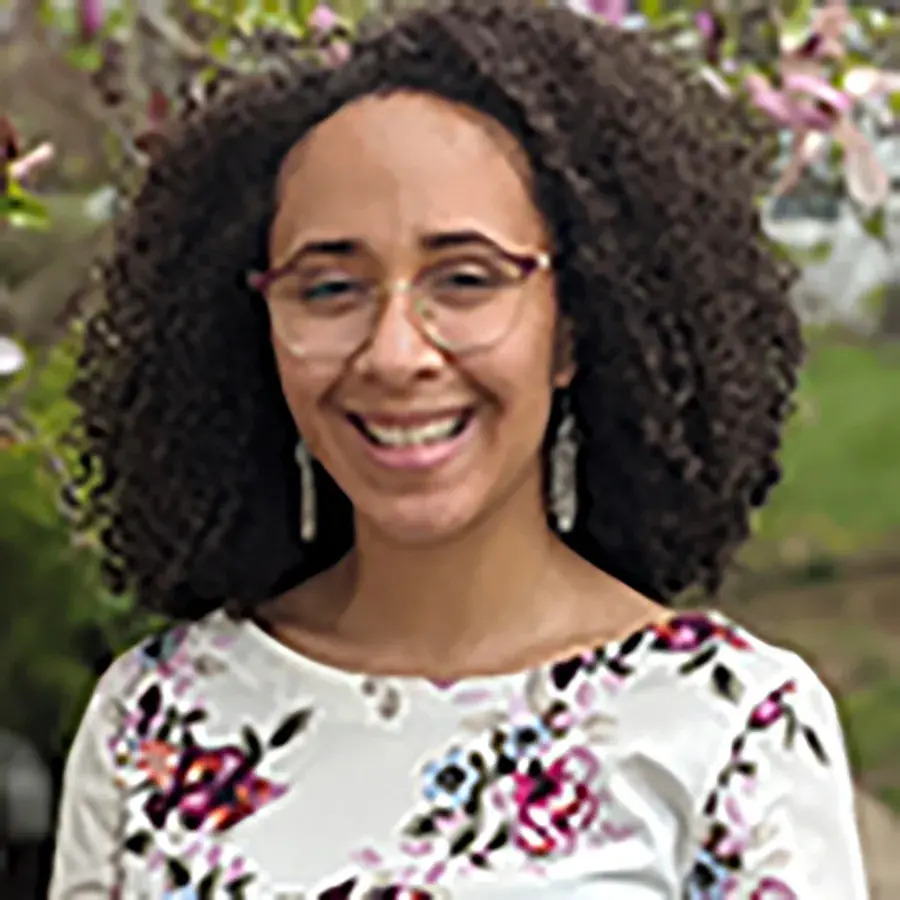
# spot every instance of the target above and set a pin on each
(419, 522)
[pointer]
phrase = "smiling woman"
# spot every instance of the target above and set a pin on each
(421, 403)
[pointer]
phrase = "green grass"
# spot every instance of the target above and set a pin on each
(841, 458)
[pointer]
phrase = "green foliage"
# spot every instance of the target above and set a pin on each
(58, 620)
(22, 210)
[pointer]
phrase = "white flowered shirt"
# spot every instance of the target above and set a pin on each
(691, 761)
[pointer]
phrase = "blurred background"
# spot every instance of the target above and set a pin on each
(821, 575)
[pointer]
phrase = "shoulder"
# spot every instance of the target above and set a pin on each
(708, 660)
(172, 661)
(757, 742)
(692, 693)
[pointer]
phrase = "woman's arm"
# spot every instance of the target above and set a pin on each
(87, 841)
(780, 822)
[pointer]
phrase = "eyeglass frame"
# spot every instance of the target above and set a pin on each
(527, 263)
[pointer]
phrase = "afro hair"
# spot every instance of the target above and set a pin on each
(686, 344)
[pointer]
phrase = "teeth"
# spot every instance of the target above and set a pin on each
(392, 436)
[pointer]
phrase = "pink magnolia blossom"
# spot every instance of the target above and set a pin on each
(712, 31)
(323, 19)
(818, 114)
(802, 100)
(335, 53)
(90, 18)
(328, 29)
(31, 162)
(613, 11)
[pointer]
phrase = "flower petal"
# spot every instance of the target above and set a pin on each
(323, 18)
(614, 11)
(611, 10)
(866, 81)
(12, 357)
(31, 161)
(335, 54)
(819, 89)
(91, 15)
(770, 100)
(862, 81)
(867, 179)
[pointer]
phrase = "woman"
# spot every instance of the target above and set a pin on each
(424, 386)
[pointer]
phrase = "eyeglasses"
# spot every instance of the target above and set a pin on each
(466, 301)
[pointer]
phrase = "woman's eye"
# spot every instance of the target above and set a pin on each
(466, 279)
(336, 288)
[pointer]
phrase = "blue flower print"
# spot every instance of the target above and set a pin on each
(710, 879)
(522, 741)
(452, 782)
(188, 892)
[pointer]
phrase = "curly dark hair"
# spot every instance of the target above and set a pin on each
(686, 344)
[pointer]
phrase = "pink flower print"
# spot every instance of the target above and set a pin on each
(731, 841)
(772, 709)
(554, 804)
(215, 788)
(157, 760)
(689, 632)
(773, 889)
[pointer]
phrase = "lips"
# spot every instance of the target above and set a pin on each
(411, 431)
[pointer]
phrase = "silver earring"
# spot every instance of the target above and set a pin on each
(563, 494)
(307, 493)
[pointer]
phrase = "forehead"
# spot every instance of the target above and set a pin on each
(405, 163)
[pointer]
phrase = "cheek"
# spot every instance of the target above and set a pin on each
(520, 376)
(528, 358)
(303, 385)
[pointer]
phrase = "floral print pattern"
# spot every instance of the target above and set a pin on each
(525, 784)
(170, 771)
(528, 781)
(697, 637)
(556, 804)
(720, 860)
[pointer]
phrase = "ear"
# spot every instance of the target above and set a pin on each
(564, 365)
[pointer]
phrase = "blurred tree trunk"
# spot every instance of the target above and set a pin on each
(889, 326)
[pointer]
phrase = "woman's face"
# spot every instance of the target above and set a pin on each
(424, 441)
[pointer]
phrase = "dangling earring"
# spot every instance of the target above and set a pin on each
(307, 493)
(563, 494)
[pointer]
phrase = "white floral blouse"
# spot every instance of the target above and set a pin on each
(691, 761)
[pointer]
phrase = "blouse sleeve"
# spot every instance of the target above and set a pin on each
(85, 863)
(780, 822)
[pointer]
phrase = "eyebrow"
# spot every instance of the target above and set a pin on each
(346, 247)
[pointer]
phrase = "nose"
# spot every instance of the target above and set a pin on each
(398, 351)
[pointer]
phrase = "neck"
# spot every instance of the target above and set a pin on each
(438, 595)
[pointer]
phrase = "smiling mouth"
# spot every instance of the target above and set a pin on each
(435, 431)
